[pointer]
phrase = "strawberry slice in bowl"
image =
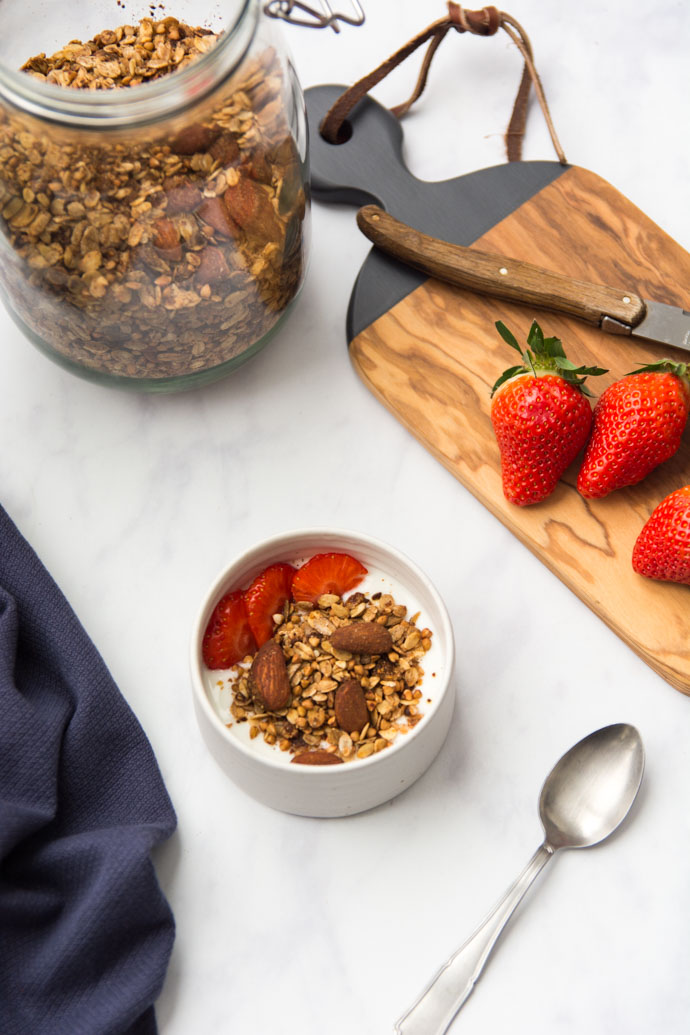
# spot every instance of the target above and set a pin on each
(228, 636)
(266, 597)
(327, 573)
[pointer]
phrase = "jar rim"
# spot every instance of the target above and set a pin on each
(149, 102)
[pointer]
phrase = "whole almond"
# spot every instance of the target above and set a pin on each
(194, 138)
(167, 240)
(214, 212)
(351, 712)
(242, 201)
(250, 207)
(268, 678)
(225, 149)
(212, 267)
(258, 167)
(318, 757)
(362, 638)
(184, 197)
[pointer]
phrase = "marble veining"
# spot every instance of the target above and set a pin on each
(302, 927)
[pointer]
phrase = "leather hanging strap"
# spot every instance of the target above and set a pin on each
(485, 22)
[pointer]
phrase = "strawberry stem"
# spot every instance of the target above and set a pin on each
(544, 356)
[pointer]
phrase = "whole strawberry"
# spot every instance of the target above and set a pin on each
(662, 550)
(540, 416)
(638, 423)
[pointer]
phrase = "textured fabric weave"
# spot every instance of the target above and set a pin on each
(85, 932)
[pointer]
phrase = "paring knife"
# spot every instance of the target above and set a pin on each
(613, 310)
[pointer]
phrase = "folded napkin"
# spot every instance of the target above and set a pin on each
(85, 932)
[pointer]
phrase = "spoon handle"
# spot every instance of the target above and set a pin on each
(435, 1008)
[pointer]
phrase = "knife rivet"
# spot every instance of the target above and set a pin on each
(503, 271)
(626, 299)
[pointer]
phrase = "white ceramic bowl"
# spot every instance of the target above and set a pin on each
(336, 790)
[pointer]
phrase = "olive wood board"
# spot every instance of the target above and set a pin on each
(430, 352)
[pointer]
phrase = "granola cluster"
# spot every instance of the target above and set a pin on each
(153, 256)
(391, 682)
(124, 56)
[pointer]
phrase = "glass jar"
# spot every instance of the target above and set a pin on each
(153, 232)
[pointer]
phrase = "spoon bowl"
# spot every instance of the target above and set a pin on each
(590, 790)
(587, 794)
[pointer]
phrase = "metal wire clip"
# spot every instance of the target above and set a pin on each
(310, 17)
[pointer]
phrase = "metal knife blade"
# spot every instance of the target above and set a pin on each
(664, 324)
(613, 310)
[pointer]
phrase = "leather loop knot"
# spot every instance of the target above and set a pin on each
(485, 22)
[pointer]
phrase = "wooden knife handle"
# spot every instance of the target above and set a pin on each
(497, 275)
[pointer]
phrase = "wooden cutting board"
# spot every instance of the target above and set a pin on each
(430, 352)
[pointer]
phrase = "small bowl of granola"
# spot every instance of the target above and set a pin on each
(322, 665)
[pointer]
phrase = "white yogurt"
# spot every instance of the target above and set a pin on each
(219, 682)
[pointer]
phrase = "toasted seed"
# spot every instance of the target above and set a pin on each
(345, 745)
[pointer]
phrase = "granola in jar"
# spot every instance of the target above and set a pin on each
(159, 254)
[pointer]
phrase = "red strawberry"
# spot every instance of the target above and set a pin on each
(227, 638)
(327, 573)
(540, 416)
(638, 423)
(265, 598)
(662, 550)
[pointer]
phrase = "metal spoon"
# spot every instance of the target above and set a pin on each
(584, 798)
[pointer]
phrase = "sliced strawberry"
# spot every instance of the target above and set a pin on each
(265, 598)
(228, 637)
(327, 573)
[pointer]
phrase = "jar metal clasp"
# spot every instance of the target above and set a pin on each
(298, 13)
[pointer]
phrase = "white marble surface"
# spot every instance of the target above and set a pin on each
(288, 925)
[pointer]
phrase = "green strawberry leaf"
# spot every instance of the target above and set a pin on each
(529, 361)
(506, 375)
(592, 371)
(567, 364)
(666, 366)
(509, 338)
(535, 338)
(554, 347)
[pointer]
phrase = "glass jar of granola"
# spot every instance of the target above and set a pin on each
(153, 188)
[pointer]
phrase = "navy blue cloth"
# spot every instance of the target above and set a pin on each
(85, 932)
